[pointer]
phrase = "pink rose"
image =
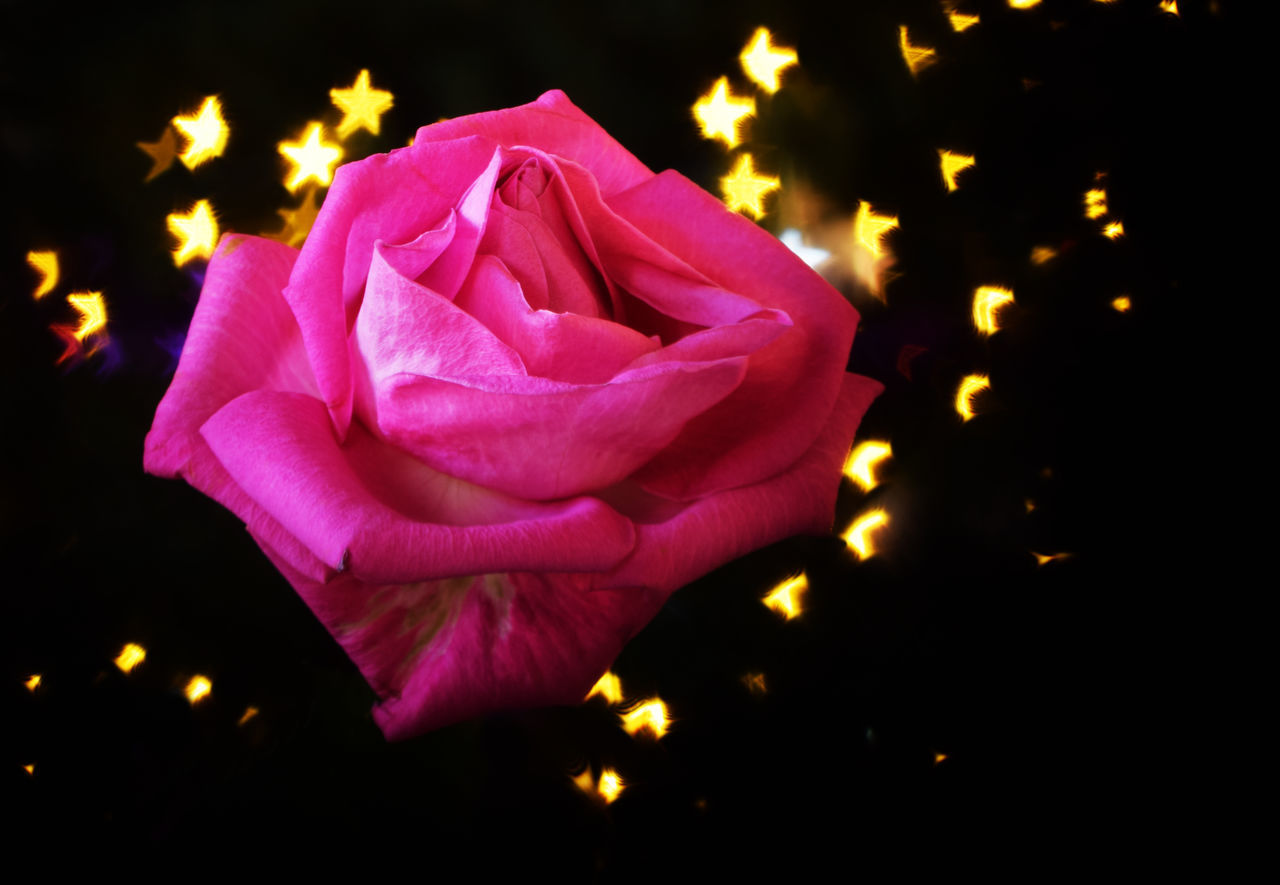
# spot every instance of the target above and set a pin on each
(513, 391)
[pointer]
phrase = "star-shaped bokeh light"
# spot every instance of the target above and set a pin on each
(970, 387)
(952, 165)
(205, 131)
(861, 463)
(987, 301)
(92, 310)
(763, 61)
(648, 716)
(960, 21)
(858, 535)
(297, 221)
(719, 113)
(916, 57)
(785, 598)
(45, 264)
(744, 190)
(313, 158)
(130, 656)
(196, 231)
(362, 106)
(162, 152)
(870, 229)
(608, 687)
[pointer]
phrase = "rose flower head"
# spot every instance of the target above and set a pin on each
(514, 390)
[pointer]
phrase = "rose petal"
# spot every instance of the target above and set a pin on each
(384, 517)
(792, 384)
(678, 547)
(557, 126)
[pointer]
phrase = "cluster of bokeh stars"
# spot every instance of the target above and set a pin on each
(722, 114)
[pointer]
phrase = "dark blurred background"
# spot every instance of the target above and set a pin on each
(1048, 688)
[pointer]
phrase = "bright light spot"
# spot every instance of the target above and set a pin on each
(1043, 254)
(584, 781)
(754, 683)
(1043, 558)
(719, 112)
(1113, 230)
(916, 57)
(1029, 504)
(858, 535)
(33, 682)
(130, 656)
(1170, 6)
(249, 713)
(29, 769)
(206, 133)
(197, 689)
(970, 387)
(744, 191)
(311, 157)
(362, 106)
(298, 222)
(870, 229)
(861, 463)
(785, 598)
(939, 758)
(953, 165)
(197, 233)
(650, 715)
(1122, 303)
(93, 313)
(608, 687)
(810, 255)
(960, 21)
(161, 151)
(611, 785)
(1023, 4)
(987, 301)
(45, 264)
(762, 60)
(1095, 203)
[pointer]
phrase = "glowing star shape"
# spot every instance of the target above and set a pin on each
(93, 313)
(870, 229)
(206, 133)
(29, 769)
(719, 113)
(858, 535)
(311, 157)
(610, 786)
(987, 301)
(1169, 6)
(608, 687)
(71, 348)
(298, 221)
(960, 21)
(762, 60)
(1114, 230)
(650, 716)
(970, 387)
(810, 255)
(861, 464)
(755, 683)
(1095, 203)
(197, 689)
(744, 191)
(916, 57)
(197, 233)
(785, 598)
(1122, 303)
(953, 165)
(130, 656)
(162, 152)
(32, 682)
(45, 264)
(362, 106)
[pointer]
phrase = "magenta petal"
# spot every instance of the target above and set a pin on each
(376, 512)
(711, 531)
(792, 384)
(553, 124)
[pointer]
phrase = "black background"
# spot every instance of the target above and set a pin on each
(1049, 688)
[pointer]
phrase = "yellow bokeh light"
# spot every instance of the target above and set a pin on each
(249, 713)
(130, 656)
(611, 785)
(197, 232)
(1043, 254)
(312, 158)
(608, 687)
(197, 689)
(93, 313)
(720, 113)
(938, 758)
(960, 21)
(584, 781)
(297, 222)
(30, 768)
(952, 165)
(161, 151)
(785, 598)
(1046, 558)
(1122, 303)
(1023, 4)
(650, 716)
(32, 682)
(987, 301)
(1113, 230)
(858, 535)
(763, 61)
(744, 191)
(916, 57)
(45, 264)
(861, 464)
(362, 106)
(1095, 203)
(755, 683)
(205, 132)
(870, 229)
(1170, 6)
(970, 387)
